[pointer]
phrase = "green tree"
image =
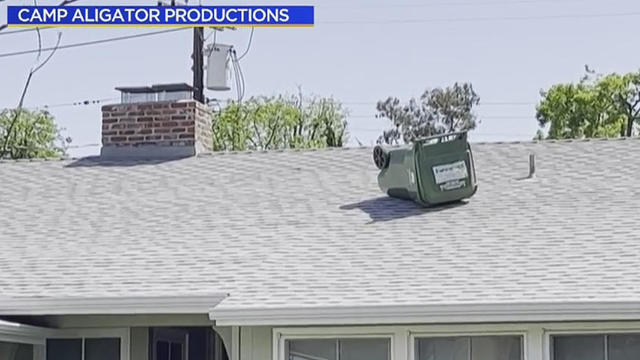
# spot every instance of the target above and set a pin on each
(596, 106)
(624, 91)
(265, 123)
(437, 111)
(28, 134)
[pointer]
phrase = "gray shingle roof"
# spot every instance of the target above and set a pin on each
(312, 228)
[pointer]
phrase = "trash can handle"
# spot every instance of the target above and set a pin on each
(460, 134)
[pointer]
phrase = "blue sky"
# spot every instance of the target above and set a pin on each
(359, 52)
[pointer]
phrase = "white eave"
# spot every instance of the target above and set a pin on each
(429, 314)
(199, 304)
(19, 333)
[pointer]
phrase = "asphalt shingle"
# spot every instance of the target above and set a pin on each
(311, 228)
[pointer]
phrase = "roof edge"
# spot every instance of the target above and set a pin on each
(189, 304)
(19, 333)
(429, 314)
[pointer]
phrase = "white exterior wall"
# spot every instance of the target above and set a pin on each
(255, 342)
(139, 343)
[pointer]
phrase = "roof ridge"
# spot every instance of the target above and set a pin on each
(533, 141)
(329, 149)
(554, 141)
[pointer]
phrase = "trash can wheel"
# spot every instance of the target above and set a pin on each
(380, 157)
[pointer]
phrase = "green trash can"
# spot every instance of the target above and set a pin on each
(433, 170)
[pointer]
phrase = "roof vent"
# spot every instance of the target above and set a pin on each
(532, 165)
(432, 170)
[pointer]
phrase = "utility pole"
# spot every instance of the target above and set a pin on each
(198, 64)
(198, 58)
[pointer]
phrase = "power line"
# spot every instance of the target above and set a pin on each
(76, 103)
(213, 32)
(477, 19)
(71, 104)
(94, 42)
(23, 30)
(248, 46)
(102, 100)
(488, 103)
(495, 117)
(239, 75)
(62, 3)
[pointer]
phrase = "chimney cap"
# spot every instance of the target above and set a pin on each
(155, 88)
(134, 89)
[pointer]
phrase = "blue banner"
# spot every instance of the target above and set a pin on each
(170, 16)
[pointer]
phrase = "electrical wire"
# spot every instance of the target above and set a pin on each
(239, 75)
(94, 42)
(237, 68)
(24, 30)
(76, 103)
(235, 74)
(248, 45)
(493, 117)
(482, 103)
(213, 32)
(62, 3)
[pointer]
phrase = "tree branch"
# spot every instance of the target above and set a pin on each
(273, 133)
(63, 3)
(18, 111)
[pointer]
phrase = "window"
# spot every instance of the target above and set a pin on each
(596, 347)
(83, 349)
(102, 349)
(338, 349)
(185, 343)
(170, 344)
(15, 351)
(469, 348)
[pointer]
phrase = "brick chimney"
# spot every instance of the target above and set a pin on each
(157, 129)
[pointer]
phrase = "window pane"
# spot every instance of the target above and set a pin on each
(176, 351)
(496, 348)
(64, 349)
(316, 349)
(364, 349)
(162, 350)
(624, 347)
(14, 351)
(582, 347)
(102, 349)
(445, 348)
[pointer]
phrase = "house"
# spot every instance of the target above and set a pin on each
(161, 250)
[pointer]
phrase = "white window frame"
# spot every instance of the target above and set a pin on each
(522, 334)
(536, 337)
(402, 338)
(577, 329)
(282, 335)
(123, 334)
(170, 335)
